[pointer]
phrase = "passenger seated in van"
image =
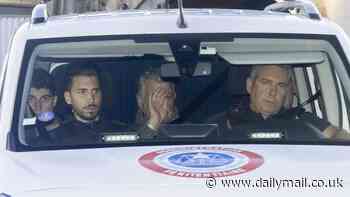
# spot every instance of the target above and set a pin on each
(41, 103)
(156, 104)
(270, 92)
(86, 123)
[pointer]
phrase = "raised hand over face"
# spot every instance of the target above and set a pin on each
(161, 102)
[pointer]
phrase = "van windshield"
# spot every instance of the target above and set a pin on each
(134, 91)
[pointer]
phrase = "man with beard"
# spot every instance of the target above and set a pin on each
(83, 93)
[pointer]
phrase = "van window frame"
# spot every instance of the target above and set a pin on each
(13, 138)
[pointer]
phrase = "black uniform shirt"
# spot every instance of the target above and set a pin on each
(74, 132)
(243, 115)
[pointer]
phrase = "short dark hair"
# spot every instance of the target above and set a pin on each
(87, 69)
(42, 80)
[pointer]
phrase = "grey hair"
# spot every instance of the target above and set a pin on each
(289, 98)
(144, 95)
(142, 100)
(152, 74)
(256, 69)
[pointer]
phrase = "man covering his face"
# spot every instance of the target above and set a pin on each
(156, 102)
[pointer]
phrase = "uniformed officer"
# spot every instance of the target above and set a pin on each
(83, 93)
(270, 91)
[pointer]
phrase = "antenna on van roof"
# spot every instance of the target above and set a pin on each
(181, 23)
(296, 7)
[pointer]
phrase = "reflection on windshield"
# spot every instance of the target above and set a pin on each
(267, 113)
(188, 97)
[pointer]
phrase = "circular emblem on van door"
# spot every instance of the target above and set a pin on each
(201, 162)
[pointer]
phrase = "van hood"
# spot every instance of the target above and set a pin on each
(205, 170)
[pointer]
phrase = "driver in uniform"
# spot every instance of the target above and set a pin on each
(270, 89)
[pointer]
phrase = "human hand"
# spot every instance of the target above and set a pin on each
(161, 105)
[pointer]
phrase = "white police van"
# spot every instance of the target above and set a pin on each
(207, 54)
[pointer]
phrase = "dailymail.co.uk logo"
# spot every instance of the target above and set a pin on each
(201, 162)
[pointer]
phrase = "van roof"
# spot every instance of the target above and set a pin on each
(136, 22)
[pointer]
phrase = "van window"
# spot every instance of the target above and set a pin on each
(130, 91)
